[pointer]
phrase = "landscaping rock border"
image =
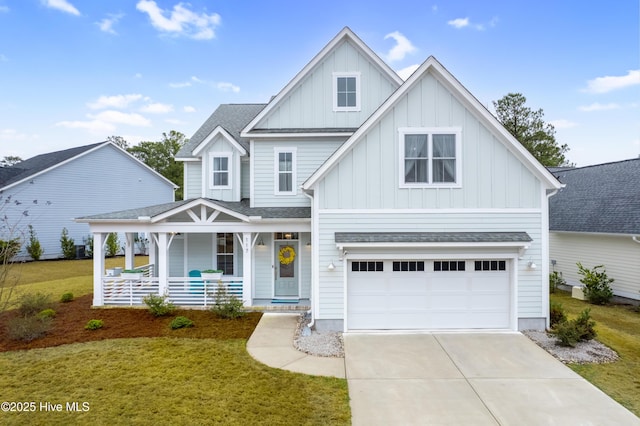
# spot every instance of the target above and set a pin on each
(591, 351)
(318, 343)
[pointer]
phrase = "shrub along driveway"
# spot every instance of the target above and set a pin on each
(468, 379)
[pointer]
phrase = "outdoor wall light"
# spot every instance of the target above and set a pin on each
(532, 265)
(331, 266)
(260, 243)
(308, 243)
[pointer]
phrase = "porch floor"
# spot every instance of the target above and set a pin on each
(268, 305)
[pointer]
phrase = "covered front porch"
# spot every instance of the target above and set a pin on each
(264, 260)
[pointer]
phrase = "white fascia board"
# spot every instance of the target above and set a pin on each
(257, 136)
(346, 33)
(215, 132)
(432, 64)
(188, 159)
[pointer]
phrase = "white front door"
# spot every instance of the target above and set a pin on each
(286, 269)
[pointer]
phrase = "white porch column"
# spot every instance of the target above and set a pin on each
(153, 253)
(163, 264)
(98, 268)
(247, 262)
(129, 255)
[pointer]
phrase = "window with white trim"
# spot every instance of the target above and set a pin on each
(346, 91)
(224, 250)
(430, 157)
(285, 171)
(220, 170)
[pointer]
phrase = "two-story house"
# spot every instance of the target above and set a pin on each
(380, 203)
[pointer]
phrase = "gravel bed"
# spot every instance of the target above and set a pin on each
(591, 351)
(318, 343)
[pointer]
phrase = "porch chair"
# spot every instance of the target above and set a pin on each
(196, 286)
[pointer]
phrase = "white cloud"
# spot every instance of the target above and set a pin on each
(138, 75)
(227, 87)
(189, 109)
(106, 25)
(181, 21)
(459, 22)
(61, 5)
(157, 108)
(174, 121)
(180, 85)
(401, 49)
(12, 135)
(4, 9)
(94, 126)
(117, 101)
(118, 117)
(563, 124)
(405, 73)
(609, 83)
(3, 58)
(599, 107)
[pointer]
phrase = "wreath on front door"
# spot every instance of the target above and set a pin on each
(286, 255)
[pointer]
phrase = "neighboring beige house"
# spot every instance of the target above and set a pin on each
(595, 220)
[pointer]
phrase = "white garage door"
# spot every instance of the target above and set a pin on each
(428, 294)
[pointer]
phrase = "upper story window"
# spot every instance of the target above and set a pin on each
(220, 170)
(430, 157)
(285, 171)
(346, 91)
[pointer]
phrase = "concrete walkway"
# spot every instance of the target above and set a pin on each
(272, 344)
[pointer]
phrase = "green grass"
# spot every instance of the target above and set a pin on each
(619, 328)
(166, 381)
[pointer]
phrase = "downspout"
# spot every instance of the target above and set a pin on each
(635, 239)
(313, 269)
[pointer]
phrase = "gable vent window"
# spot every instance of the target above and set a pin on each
(408, 266)
(367, 266)
(490, 265)
(430, 157)
(346, 91)
(449, 265)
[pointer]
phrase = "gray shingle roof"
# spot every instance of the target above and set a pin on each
(231, 117)
(34, 165)
(241, 207)
(432, 237)
(601, 198)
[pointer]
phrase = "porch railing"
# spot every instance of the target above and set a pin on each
(182, 291)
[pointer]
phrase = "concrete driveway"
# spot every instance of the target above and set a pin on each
(468, 379)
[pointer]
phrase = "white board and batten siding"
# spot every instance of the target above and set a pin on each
(529, 293)
(310, 154)
(618, 253)
(192, 179)
(310, 104)
(100, 181)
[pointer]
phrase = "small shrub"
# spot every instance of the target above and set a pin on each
(569, 333)
(28, 328)
(159, 305)
(8, 250)
(47, 313)
(555, 280)
(30, 304)
(67, 244)
(34, 248)
(88, 245)
(66, 297)
(597, 287)
(94, 324)
(227, 305)
(112, 245)
(180, 322)
(556, 314)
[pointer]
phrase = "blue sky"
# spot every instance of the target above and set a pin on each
(73, 72)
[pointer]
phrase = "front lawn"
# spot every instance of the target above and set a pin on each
(618, 327)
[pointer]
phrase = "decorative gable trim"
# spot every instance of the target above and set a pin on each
(200, 206)
(432, 65)
(346, 33)
(215, 132)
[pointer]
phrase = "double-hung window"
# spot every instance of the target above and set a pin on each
(224, 250)
(220, 171)
(285, 171)
(346, 91)
(430, 157)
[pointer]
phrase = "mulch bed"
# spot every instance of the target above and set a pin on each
(71, 317)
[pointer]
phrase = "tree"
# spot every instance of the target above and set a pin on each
(160, 156)
(119, 141)
(10, 160)
(528, 127)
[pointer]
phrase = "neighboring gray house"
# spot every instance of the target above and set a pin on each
(595, 220)
(376, 202)
(49, 190)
